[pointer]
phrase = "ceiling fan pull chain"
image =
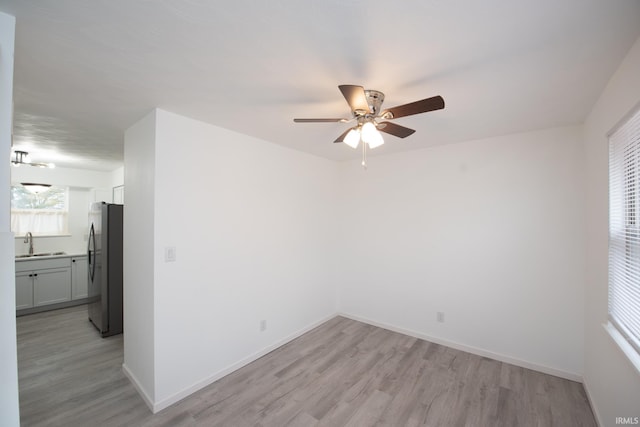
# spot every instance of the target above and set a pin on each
(364, 155)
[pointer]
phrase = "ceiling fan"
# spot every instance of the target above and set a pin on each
(365, 111)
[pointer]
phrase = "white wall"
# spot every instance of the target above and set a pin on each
(138, 270)
(613, 384)
(490, 232)
(9, 408)
(117, 177)
(251, 223)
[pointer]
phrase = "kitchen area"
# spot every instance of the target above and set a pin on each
(68, 287)
(54, 269)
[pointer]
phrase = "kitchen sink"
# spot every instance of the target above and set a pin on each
(39, 254)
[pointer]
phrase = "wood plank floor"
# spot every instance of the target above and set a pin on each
(343, 373)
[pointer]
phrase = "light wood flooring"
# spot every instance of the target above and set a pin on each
(343, 373)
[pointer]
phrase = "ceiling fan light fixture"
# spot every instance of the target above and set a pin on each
(35, 188)
(22, 158)
(353, 138)
(371, 136)
(43, 165)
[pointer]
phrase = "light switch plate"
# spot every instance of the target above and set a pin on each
(170, 254)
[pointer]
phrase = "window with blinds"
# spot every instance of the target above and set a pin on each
(624, 230)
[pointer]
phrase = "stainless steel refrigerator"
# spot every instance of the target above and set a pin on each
(104, 255)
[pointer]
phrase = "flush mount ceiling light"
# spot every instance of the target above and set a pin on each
(22, 158)
(34, 188)
(365, 110)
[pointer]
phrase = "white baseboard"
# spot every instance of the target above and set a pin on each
(594, 409)
(470, 349)
(136, 384)
(164, 403)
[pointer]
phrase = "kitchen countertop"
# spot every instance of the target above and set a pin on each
(53, 255)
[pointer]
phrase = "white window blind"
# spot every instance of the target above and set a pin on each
(624, 230)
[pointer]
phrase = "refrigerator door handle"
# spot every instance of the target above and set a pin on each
(92, 243)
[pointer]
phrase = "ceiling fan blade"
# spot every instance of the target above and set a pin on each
(422, 106)
(355, 97)
(395, 130)
(318, 120)
(341, 137)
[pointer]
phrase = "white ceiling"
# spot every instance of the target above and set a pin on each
(87, 70)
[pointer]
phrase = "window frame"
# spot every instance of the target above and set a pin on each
(623, 302)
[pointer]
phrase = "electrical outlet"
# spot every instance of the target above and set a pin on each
(263, 325)
(440, 317)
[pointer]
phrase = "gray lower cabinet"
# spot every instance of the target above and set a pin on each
(79, 277)
(43, 282)
(51, 286)
(24, 290)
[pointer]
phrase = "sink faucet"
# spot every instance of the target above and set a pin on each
(29, 239)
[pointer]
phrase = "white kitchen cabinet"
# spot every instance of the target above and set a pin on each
(24, 290)
(79, 277)
(100, 195)
(118, 195)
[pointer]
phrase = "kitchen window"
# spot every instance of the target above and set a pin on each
(42, 213)
(624, 237)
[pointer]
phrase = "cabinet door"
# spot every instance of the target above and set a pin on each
(51, 286)
(118, 195)
(79, 277)
(24, 290)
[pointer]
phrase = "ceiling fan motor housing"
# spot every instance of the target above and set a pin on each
(375, 98)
